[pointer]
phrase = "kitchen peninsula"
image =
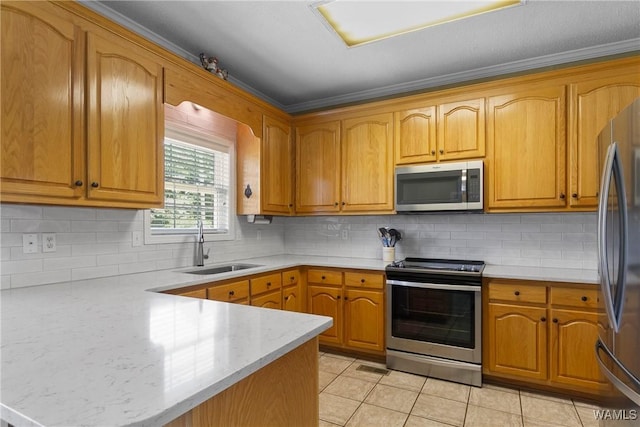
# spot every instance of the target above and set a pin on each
(109, 352)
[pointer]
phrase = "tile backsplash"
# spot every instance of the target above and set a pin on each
(95, 243)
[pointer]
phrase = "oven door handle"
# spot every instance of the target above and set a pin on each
(435, 286)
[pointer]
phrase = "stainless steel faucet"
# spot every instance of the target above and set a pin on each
(200, 256)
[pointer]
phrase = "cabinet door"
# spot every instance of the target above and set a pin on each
(415, 136)
(594, 103)
(573, 360)
(364, 319)
(327, 301)
(277, 167)
(367, 164)
(517, 340)
(41, 104)
(526, 143)
(461, 130)
(318, 168)
(291, 298)
(125, 122)
(270, 300)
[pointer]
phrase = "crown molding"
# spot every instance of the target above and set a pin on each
(589, 53)
(609, 49)
(130, 24)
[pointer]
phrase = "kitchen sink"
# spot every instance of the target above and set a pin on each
(222, 269)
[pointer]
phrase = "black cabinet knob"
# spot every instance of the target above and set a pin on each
(268, 284)
(584, 298)
(574, 195)
(555, 320)
(290, 205)
(562, 196)
(292, 278)
(95, 184)
(231, 293)
(441, 151)
(335, 204)
(338, 297)
(343, 203)
(323, 277)
(361, 280)
(543, 319)
(433, 152)
(79, 183)
(517, 293)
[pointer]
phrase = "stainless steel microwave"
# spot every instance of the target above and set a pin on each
(439, 187)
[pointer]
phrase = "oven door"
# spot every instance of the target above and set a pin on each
(434, 319)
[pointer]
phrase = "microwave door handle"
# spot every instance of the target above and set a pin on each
(463, 186)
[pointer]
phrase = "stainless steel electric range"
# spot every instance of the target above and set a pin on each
(434, 312)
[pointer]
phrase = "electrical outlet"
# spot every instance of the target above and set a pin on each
(29, 243)
(48, 242)
(137, 238)
(345, 234)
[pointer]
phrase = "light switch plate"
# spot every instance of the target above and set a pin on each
(49, 242)
(29, 243)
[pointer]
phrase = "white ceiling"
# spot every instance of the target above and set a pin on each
(282, 52)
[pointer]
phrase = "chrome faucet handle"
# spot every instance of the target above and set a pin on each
(200, 232)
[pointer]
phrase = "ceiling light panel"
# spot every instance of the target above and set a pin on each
(359, 22)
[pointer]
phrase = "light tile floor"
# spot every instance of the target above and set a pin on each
(351, 397)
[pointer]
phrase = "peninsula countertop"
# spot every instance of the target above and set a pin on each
(114, 351)
(107, 352)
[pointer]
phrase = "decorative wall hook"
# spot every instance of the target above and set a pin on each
(248, 192)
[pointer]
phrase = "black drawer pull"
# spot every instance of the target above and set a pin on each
(517, 293)
(231, 293)
(584, 298)
(555, 320)
(361, 280)
(543, 319)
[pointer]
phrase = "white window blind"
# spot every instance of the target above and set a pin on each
(197, 188)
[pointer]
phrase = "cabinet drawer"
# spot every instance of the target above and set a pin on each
(518, 292)
(229, 292)
(266, 283)
(364, 280)
(290, 277)
(326, 277)
(581, 298)
(198, 293)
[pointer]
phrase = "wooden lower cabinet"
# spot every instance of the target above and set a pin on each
(518, 340)
(292, 296)
(327, 301)
(573, 359)
(364, 319)
(355, 301)
(543, 341)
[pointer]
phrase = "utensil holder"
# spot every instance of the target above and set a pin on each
(388, 254)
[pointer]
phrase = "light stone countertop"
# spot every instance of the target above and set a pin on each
(110, 351)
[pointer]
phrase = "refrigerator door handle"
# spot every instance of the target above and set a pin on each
(613, 168)
(632, 394)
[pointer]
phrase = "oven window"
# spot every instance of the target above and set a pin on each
(429, 187)
(433, 315)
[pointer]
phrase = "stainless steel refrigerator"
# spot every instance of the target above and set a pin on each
(618, 346)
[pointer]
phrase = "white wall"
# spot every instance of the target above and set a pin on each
(543, 240)
(98, 242)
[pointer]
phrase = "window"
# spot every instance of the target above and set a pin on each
(198, 187)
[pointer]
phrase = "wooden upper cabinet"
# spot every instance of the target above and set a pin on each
(415, 136)
(527, 149)
(42, 139)
(594, 102)
(125, 122)
(277, 167)
(318, 168)
(461, 130)
(367, 163)
(82, 113)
